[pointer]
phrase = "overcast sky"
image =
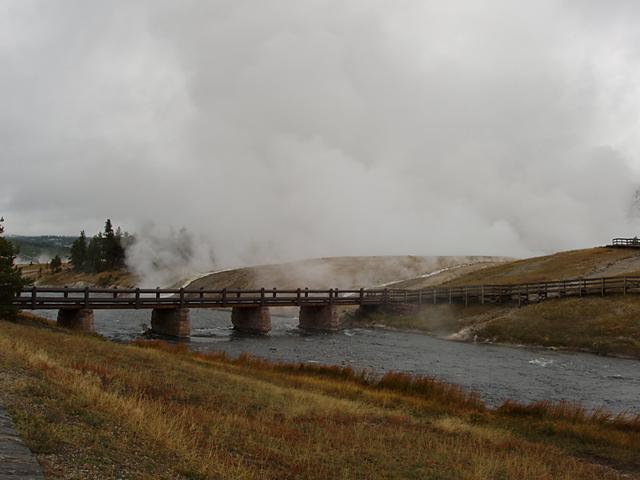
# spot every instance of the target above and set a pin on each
(293, 128)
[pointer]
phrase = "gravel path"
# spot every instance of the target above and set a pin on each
(16, 460)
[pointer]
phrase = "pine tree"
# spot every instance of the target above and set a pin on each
(11, 279)
(94, 254)
(56, 264)
(79, 253)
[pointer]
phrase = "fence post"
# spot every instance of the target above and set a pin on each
(261, 295)
(181, 297)
(385, 299)
(298, 296)
(86, 296)
(33, 297)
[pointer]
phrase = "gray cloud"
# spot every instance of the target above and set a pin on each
(291, 129)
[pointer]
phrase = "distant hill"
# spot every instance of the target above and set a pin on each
(341, 272)
(41, 249)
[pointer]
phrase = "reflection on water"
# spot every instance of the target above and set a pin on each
(496, 372)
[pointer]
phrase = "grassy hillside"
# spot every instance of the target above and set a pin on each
(592, 262)
(93, 409)
(340, 272)
(601, 325)
(607, 326)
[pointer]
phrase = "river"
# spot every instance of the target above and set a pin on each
(496, 372)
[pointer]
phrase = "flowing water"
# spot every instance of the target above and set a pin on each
(496, 372)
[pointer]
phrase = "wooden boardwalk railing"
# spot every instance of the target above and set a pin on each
(626, 242)
(104, 298)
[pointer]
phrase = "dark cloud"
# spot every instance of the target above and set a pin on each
(290, 129)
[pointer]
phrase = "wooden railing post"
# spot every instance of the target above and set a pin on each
(224, 296)
(298, 293)
(157, 293)
(361, 296)
(181, 297)
(86, 297)
(202, 293)
(275, 292)
(262, 296)
(66, 292)
(33, 297)
(385, 296)
(137, 296)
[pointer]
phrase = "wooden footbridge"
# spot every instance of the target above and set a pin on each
(318, 308)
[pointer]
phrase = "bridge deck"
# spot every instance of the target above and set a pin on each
(36, 298)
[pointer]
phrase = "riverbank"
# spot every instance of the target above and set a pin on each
(94, 409)
(605, 326)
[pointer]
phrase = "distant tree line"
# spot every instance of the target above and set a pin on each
(105, 251)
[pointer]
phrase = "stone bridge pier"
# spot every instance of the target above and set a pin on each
(80, 319)
(251, 319)
(172, 322)
(319, 317)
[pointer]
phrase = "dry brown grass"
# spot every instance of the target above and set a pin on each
(560, 266)
(41, 274)
(93, 409)
(606, 325)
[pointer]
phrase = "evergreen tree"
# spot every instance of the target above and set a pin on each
(11, 279)
(56, 264)
(94, 254)
(105, 251)
(118, 250)
(79, 253)
(112, 247)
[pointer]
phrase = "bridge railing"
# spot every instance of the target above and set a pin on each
(626, 242)
(104, 298)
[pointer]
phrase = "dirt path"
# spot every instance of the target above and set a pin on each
(16, 460)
